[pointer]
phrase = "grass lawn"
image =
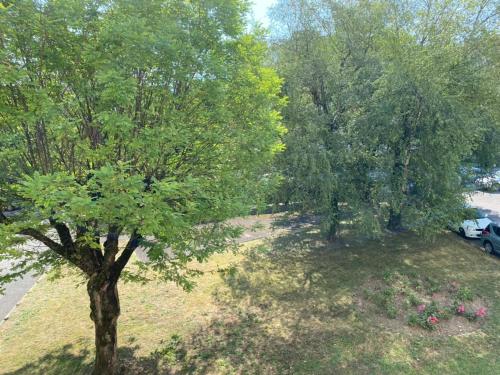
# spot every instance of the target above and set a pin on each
(288, 306)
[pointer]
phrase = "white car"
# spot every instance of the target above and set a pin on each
(472, 228)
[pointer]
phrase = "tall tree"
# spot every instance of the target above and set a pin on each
(324, 50)
(129, 123)
(386, 100)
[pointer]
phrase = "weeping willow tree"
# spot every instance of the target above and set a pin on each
(386, 100)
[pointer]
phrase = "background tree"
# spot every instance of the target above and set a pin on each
(129, 123)
(324, 52)
(386, 101)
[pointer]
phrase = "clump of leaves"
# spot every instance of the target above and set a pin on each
(171, 352)
(464, 294)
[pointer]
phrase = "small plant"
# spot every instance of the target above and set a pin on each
(391, 311)
(413, 319)
(388, 276)
(480, 313)
(460, 309)
(413, 299)
(172, 351)
(464, 294)
(469, 315)
(434, 285)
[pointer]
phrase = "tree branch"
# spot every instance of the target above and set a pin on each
(64, 235)
(123, 259)
(51, 244)
(111, 246)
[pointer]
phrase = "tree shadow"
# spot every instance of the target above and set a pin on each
(289, 302)
(289, 307)
(62, 361)
(68, 360)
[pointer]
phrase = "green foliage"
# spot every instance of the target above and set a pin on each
(464, 294)
(151, 118)
(171, 352)
(383, 108)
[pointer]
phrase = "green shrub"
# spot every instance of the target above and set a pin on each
(464, 294)
(171, 352)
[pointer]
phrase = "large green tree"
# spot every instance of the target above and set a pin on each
(129, 123)
(325, 52)
(386, 100)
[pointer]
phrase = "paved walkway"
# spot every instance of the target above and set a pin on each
(487, 202)
(16, 290)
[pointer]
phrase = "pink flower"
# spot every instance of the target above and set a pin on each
(432, 320)
(421, 308)
(481, 312)
(460, 309)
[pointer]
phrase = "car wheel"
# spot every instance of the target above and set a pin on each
(461, 231)
(488, 247)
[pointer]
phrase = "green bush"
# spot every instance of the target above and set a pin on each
(464, 294)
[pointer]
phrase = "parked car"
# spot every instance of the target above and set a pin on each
(472, 228)
(490, 238)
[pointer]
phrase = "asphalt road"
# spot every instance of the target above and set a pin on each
(15, 291)
(487, 202)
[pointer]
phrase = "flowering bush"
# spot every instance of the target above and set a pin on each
(481, 312)
(421, 308)
(460, 309)
(432, 320)
(429, 316)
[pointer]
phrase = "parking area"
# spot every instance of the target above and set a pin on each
(489, 203)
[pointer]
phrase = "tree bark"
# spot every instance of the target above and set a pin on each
(105, 310)
(395, 222)
(333, 219)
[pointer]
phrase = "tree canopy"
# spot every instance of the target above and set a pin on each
(129, 123)
(386, 101)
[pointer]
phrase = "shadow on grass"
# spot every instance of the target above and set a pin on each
(289, 308)
(67, 360)
(62, 361)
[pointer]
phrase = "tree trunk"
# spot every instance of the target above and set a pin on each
(105, 309)
(333, 219)
(395, 220)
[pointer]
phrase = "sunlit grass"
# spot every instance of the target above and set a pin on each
(289, 307)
